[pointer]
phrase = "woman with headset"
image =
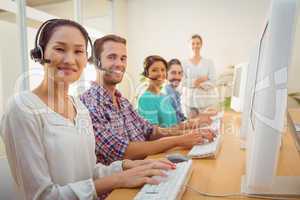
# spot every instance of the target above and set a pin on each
(155, 106)
(49, 136)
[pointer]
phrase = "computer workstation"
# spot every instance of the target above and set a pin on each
(173, 186)
(262, 123)
(267, 105)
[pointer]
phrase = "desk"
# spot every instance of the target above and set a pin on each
(223, 175)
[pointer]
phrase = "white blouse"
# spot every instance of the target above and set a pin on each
(192, 72)
(51, 157)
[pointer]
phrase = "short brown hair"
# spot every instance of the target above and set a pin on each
(196, 36)
(150, 60)
(173, 61)
(98, 44)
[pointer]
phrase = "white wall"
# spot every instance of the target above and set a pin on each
(229, 28)
(10, 58)
(294, 70)
(95, 13)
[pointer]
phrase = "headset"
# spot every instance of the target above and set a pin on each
(145, 72)
(37, 53)
(98, 64)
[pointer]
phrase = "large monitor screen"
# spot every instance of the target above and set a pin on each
(270, 86)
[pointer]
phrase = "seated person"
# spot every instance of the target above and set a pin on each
(174, 77)
(172, 89)
(154, 105)
(119, 131)
(48, 134)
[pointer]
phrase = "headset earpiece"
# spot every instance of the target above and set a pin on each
(145, 73)
(98, 63)
(37, 54)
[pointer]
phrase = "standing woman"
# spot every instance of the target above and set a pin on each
(199, 80)
(48, 134)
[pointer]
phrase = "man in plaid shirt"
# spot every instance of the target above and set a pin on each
(119, 131)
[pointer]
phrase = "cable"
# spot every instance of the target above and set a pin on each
(236, 195)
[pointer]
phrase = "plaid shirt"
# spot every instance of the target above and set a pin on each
(114, 128)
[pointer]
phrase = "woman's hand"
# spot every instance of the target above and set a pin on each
(142, 174)
(129, 164)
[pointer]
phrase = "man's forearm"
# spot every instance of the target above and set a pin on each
(139, 150)
(160, 132)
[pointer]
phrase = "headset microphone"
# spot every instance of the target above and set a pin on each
(99, 66)
(145, 74)
(151, 78)
(109, 71)
(44, 61)
(105, 70)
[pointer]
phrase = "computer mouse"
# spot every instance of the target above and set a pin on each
(177, 158)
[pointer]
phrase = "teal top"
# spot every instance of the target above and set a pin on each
(157, 109)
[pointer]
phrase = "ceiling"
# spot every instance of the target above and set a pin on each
(34, 3)
(95, 13)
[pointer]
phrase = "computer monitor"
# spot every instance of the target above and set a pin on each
(268, 104)
(251, 69)
(239, 86)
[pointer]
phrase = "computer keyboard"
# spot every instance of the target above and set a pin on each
(171, 188)
(220, 115)
(215, 126)
(209, 149)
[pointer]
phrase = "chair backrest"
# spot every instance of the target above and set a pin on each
(7, 189)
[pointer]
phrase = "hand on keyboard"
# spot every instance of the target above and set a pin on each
(129, 164)
(208, 135)
(170, 188)
(190, 139)
(143, 174)
(200, 120)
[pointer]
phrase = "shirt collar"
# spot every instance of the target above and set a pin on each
(169, 86)
(103, 92)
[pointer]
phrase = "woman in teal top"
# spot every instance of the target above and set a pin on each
(153, 105)
(156, 106)
(157, 109)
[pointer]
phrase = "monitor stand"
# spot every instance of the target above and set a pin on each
(287, 186)
(243, 144)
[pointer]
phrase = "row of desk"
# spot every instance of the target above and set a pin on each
(223, 174)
